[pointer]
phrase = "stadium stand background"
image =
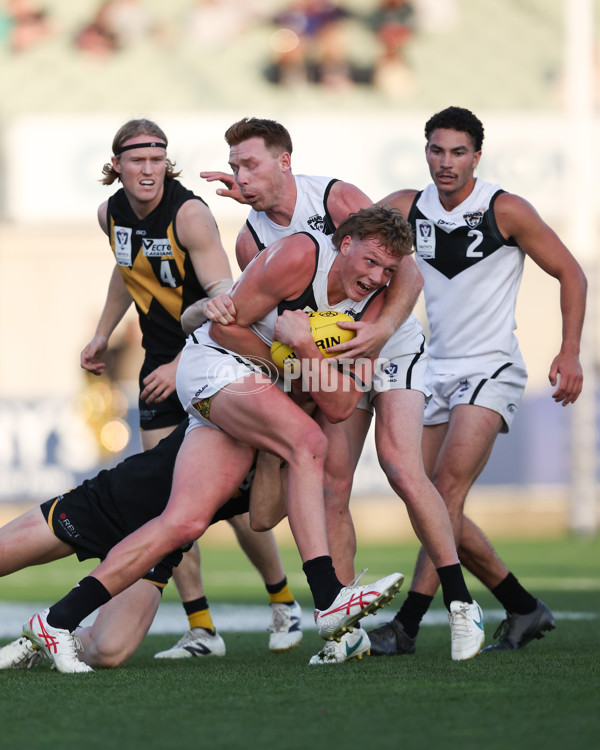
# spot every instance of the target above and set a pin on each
(502, 58)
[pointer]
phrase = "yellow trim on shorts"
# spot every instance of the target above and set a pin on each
(156, 583)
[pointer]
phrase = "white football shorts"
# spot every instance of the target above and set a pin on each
(495, 384)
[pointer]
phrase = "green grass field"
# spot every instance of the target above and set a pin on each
(546, 695)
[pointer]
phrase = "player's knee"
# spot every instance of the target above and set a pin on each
(406, 481)
(310, 446)
(452, 487)
(104, 654)
(179, 530)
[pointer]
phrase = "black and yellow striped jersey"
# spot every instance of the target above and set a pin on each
(156, 268)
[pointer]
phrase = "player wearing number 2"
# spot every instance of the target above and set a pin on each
(471, 240)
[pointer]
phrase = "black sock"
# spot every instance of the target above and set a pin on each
(195, 605)
(87, 596)
(275, 588)
(513, 597)
(322, 580)
(453, 583)
(412, 612)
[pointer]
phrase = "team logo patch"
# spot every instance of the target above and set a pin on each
(317, 223)
(157, 248)
(425, 239)
(122, 236)
(473, 218)
(203, 407)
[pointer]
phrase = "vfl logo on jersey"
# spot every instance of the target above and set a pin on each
(157, 248)
(317, 223)
(122, 237)
(425, 239)
(391, 370)
(473, 218)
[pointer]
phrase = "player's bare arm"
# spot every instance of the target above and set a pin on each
(345, 199)
(335, 391)
(519, 220)
(405, 287)
(281, 271)
(118, 301)
(197, 230)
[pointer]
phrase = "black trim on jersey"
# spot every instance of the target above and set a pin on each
(416, 358)
(411, 218)
(257, 240)
(329, 227)
(485, 380)
(496, 233)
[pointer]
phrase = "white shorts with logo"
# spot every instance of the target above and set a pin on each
(401, 365)
(495, 384)
(204, 369)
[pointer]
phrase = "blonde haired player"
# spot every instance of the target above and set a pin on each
(232, 406)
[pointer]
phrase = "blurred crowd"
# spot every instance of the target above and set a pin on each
(309, 42)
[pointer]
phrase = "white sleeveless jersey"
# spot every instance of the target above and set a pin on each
(314, 297)
(472, 275)
(310, 213)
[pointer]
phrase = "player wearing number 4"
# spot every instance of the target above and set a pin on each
(168, 255)
(471, 242)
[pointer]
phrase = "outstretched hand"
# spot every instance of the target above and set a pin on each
(231, 189)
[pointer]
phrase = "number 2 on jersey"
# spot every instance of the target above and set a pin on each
(472, 251)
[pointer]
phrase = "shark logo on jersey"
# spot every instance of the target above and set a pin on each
(122, 237)
(473, 218)
(157, 248)
(425, 239)
(317, 223)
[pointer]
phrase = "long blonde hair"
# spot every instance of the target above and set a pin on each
(129, 130)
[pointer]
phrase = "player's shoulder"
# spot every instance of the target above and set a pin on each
(295, 247)
(512, 205)
(400, 199)
(191, 208)
(103, 216)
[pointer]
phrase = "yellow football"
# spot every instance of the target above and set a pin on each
(325, 332)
